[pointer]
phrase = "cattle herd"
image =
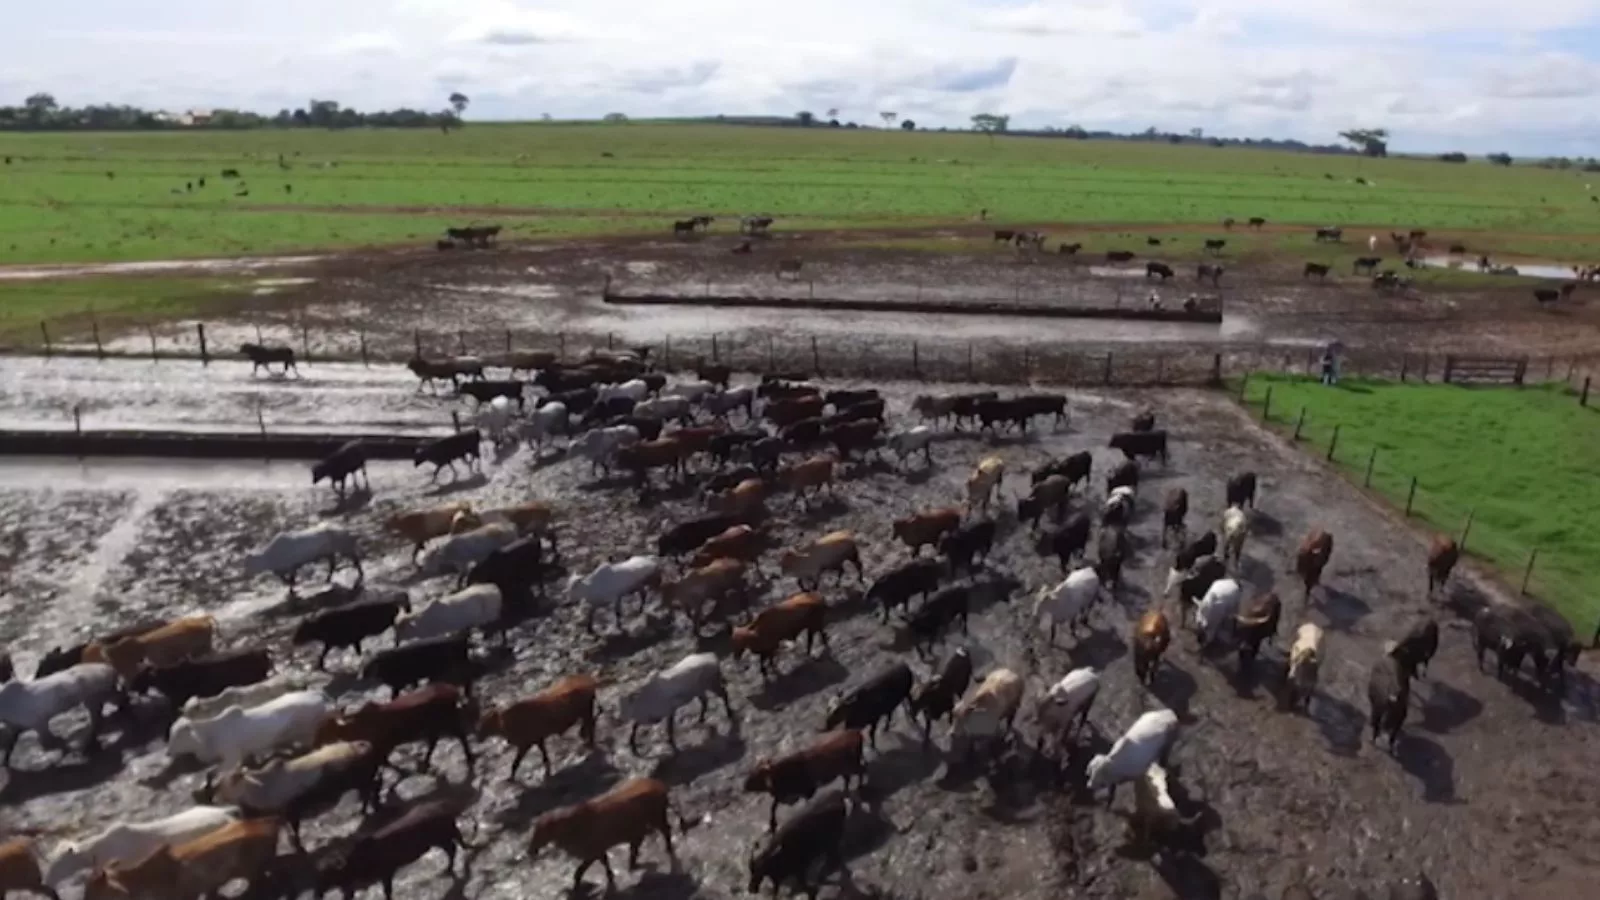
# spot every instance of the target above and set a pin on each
(279, 751)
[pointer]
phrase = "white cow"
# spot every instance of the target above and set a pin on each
(691, 391)
(30, 705)
(290, 551)
(1217, 608)
(273, 787)
(1069, 601)
(610, 582)
(127, 842)
(665, 408)
(634, 390)
(720, 403)
(1235, 528)
(601, 444)
(547, 421)
(913, 440)
(660, 697)
(1145, 742)
(237, 733)
(1067, 703)
(494, 420)
(475, 607)
(247, 695)
(458, 553)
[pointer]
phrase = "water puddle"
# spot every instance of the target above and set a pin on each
(1528, 269)
(243, 264)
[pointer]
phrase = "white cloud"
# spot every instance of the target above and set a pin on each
(1442, 74)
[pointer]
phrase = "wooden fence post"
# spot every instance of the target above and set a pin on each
(1266, 406)
(1426, 357)
(305, 340)
(44, 331)
(1372, 460)
(713, 347)
(666, 353)
(611, 340)
(261, 419)
(1550, 371)
(99, 348)
(771, 366)
(508, 341)
(1333, 442)
(416, 341)
(362, 335)
(1405, 361)
(916, 361)
(1411, 496)
(258, 333)
(969, 361)
(1107, 376)
(455, 420)
(199, 330)
(1528, 572)
(77, 419)
(1216, 368)
(1299, 423)
(1584, 400)
(154, 357)
(816, 358)
(1027, 364)
(1467, 528)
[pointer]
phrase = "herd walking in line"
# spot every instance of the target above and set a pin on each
(279, 751)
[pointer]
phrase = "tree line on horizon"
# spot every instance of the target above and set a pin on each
(41, 112)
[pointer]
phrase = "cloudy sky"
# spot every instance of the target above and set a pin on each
(1474, 75)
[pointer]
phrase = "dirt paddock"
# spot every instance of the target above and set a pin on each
(1489, 791)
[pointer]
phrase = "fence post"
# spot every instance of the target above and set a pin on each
(666, 353)
(152, 332)
(816, 358)
(1161, 368)
(1467, 528)
(713, 347)
(1216, 368)
(1550, 371)
(44, 331)
(508, 341)
(771, 367)
(1299, 423)
(1333, 442)
(1372, 460)
(77, 419)
(1405, 361)
(1411, 496)
(416, 341)
(99, 348)
(1425, 359)
(916, 361)
(305, 340)
(258, 333)
(1584, 400)
(1243, 384)
(1107, 376)
(611, 340)
(1027, 364)
(261, 419)
(1266, 406)
(362, 334)
(1528, 573)
(199, 330)
(455, 420)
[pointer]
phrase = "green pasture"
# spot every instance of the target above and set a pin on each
(69, 304)
(1524, 463)
(356, 187)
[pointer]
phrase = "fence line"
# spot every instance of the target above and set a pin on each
(1548, 577)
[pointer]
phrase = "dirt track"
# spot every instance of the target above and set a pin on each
(1490, 790)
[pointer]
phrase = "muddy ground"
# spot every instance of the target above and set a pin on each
(1489, 791)
(548, 296)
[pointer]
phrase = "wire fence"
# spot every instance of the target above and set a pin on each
(1553, 575)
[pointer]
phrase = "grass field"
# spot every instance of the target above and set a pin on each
(115, 302)
(57, 202)
(1523, 462)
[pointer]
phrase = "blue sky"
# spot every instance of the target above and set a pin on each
(1473, 75)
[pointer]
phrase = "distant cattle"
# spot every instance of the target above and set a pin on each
(1365, 264)
(1157, 270)
(1207, 271)
(1119, 255)
(1069, 249)
(1257, 221)
(265, 356)
(1215, 245)
(1330, 235)
(1317, 269)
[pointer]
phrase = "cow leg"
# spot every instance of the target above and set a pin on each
(633, 739)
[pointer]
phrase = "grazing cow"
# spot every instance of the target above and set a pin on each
(1241, 490)
(926, 528)
(1389, 696)
(263, 356)
(1257, 221)
(1442, 556)
(1330, 235)
(1145, 742)
(937, 699)
(786, 620)
(436, 659)
(899, 585)
(1208, 271)
(447, 451)
(814, 836)
(984, 481)
(1151, 637)
(828, 553)
(1317, 269)
(300, 786)
(1068, 601)
(664, 692)
(19, 869)
(376, 856)
(1255, 622)
(532, 721)
(1075, 468)
(1312, 557)
(341, 465)
(1157, 270)
(204, 676)
(1214, 246)
(1135, 444)
(626, 814)
(1066, 543)
(1305, 661)
(873, 701)
(989, 714)
(1117, 256)
(197, 867)
(798, 776)
(1368, 264)
(167, 645)
(1174, 509)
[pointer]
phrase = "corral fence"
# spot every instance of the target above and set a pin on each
(1485, 370)
(1551, 578)
(990, 361)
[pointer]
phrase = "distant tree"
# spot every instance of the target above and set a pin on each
(544, 117)
(1456, 157)
(805, 118)
(1174, 138)
(615, 118)
(833, 123)
(1076, 132)
(851, 125)
(989, 123)
(458, 102)
(1151, 132)
(1197, 133)
(1592, 165)
(908, 125)
(1499, 159)
(1370, 141)
(833, 113)
(323, 113)
(888, 118)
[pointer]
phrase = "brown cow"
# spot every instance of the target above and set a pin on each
(1442, 556)
(626, 814)
(811, 474)
(828, 553)
(532, 721)
(740, 542)
(695, 440)
(529, 517)
(799, 775)
(745, 502)
(661, 453)
(788, 412)
(1173, 513)
(926, 528)
(1150, 639)
(713, 581)
(193, 868)
(19, 869)
(426, 714)
(168, 645)
(1312, 558)
(419, 526)
(786, 620)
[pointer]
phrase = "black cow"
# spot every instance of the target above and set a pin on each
(1012, 413)
(718, 374)
(1546, 295)
(1112, 550)
(484, 391)
(514, 568)
(1204, 545)
(349, 625)
(865, 409)
(1004, 236)
(938, 698)
(608, 409)
(1563, 645)
(446, 451)
(341, 465)
(723, 446)
(1074, 468)
(815, 834)
(975, 539)
(204, 677)
(1126, 474)
(1241, 490)
(1317, 269)
(1157, 269)
(1067, 542)
(1215, 245)
(1257, 621)
(1069, 249)
(841, 400)
(265, 356)
(1192, 587)
(767, 453)
(1119, 255)
(1332, 235)
(1044, 405)
(873, 701)
(375, 856)
(1417, 647)
(1257, 221)
(898, 586)
(578, 401)
(1367, 264)
(686, 537)
(927, 625)
(964, 407)
(728, 480)
(1389, 695)
(1136, 444)
(1143, 421)
(434, 659)
(557, 381)
(7, 670)
(804, 433)
(649, 429)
